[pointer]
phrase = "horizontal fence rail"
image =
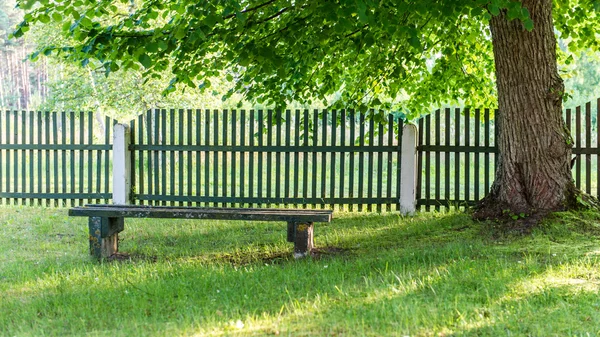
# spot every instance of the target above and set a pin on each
(49, 158)
(457, 154)
(266, 158)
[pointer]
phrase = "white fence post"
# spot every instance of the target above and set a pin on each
(121, 165)
(408, 173)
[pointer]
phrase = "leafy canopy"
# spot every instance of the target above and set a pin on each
(403, 53)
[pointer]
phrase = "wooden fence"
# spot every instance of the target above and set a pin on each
(457, 154)
(262, 158)
(53, 158)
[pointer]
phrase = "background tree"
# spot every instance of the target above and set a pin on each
(372, 52)
(20, 82)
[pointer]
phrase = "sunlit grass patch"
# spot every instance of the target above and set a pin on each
(376, 274)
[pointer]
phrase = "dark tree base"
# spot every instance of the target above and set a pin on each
(522, 218)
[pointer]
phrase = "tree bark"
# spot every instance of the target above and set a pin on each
(533, 174)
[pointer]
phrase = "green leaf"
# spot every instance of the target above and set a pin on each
(528, 24)
(152, 47)
(494, 10)
(43, 18)
(145, 60)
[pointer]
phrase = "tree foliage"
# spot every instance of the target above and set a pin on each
(408, 54)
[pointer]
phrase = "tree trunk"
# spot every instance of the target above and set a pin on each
(533, 174)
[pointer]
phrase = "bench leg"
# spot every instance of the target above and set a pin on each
(104, 236)
(302, 236)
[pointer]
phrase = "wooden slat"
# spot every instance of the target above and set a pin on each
(283, 215)
(47, 154)
(180, 154)
(438, 127)
(457, 133)
(98, 165)
(370, 161)
(215, 172)
(157, 154)
(314, 154)
(278, 162)
(333, 156)
(16, 160)
(90, 158)
(169, 166)
(305, 156)
(578, 146)
(255, 200)
(24, 176)
(8, 156)
(233, 154)
(428, 161)
(32, 159)
(224, 156)
(163, 154)
(142, 163)
(447, 128)
(260, 171)
(476, 161)
(242, 181)
(269, 170)
(108, 122)
(390, 159)
(352, 155)
(343, 173)
(198, 140)
(361, 159)
(251, 137)
(420, 159)
(588, 142)
(189, 122)
(206, 154)
(467, 155)
(399, 132)
(297, 125)
(486, 143)
(288, 143)
(43, 127)
(16, 155)
(379, 181)
(323, 173)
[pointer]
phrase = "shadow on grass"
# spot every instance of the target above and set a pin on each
(383, 276)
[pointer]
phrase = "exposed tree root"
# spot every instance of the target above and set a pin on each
(523, 219)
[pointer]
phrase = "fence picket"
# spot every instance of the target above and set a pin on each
(323, 190)
(457, 132)
(437, 157)
(352, 143)
(588, 142)
(476, 155)
(361, 161)
(578, 146)
(428, 161)
(370, 162)
(224, 160)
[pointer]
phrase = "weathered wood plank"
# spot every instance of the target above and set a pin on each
(214, 213)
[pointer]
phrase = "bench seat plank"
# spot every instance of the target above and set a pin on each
(248, 214)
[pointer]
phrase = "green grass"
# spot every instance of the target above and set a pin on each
(376, 275)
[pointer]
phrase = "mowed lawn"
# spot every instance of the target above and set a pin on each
(374, 275)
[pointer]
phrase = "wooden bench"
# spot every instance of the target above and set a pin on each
(106, 221)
